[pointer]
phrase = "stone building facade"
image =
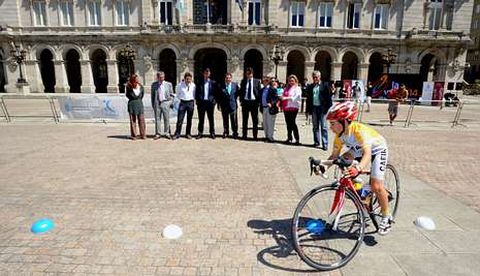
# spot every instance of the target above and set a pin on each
(473, 53)
(91, 46)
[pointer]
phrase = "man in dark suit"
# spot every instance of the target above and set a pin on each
(319, 100)
(228, 102)
(250, 98)
(207, 90)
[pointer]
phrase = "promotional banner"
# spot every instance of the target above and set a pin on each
(347, 89)
(358, 90)
(94, 107)
(427, 91)
(438, 92)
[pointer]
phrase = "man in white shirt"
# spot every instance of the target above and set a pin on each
(162, 97)
(186, 94)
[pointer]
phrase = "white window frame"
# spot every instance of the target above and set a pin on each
(94, 13)
(297, 9)
(382, 11)
(357, 10)
(325, 10)
(40, 13)
(256, 6)
(122, 9)
(436, 14)
(66, 18)
(167, 11)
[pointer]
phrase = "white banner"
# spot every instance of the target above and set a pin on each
(95, 107)
(427, 92)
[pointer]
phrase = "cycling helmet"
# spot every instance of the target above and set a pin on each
(343, 111)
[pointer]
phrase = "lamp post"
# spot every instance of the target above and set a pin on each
(18, 57)
(388, 59)
(126, 56)
(277, 55)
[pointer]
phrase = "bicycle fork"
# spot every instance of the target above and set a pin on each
(336, 209)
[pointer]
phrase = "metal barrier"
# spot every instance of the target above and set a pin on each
(427, 105)
(10, 104)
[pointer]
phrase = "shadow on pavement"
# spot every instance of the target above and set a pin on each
(280, 230)
(122, 137)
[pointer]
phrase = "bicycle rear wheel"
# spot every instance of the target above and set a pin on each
(392, 186)
(323, 240)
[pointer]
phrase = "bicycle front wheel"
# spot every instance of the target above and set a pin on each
(326, 237)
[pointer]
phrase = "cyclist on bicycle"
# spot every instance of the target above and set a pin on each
(366, 146)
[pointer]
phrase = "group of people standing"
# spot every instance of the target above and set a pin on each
(254, 95)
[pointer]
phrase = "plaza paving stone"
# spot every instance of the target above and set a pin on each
(110, 198)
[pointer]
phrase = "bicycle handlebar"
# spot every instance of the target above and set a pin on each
(318, 166)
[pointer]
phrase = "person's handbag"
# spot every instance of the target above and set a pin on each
(273, 110)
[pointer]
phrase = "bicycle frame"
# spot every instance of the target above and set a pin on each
(339, 201)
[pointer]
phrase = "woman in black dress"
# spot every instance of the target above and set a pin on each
(134, 94)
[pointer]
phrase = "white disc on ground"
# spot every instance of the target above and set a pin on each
(425, 223)
(172, 231)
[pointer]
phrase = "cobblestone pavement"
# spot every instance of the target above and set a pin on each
(111, 197)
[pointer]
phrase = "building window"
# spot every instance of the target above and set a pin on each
(435, 14)
(254, 12)
(297, 12)
(66, 13)
(166, 10)
(39, 8)
(123, 13)
(353, 19)
(325, 14)
(95, 13)
(380, 18)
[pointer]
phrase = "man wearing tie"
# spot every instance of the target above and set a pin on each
(205, 98)
(228, 102)
(162, 97)
(250, 99)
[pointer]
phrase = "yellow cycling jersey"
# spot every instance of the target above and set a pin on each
(356, 136)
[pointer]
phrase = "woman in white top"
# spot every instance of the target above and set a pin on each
(291, 98)
(134, 94)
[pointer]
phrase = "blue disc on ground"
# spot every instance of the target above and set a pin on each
(315, 226)
(42, 226)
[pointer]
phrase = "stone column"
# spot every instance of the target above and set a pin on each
(61, 81)
(234, 68)
(149, 71)
(267, 68)
(282, 71)
(309, 67)
(112, 72)
(336, 71)
(33, 76)
(87, 77)
(184, 65)
(362, 71)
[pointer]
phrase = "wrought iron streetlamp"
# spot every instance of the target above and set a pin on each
(388, 59)
(19, 55)
(277, 55)
(126, 56)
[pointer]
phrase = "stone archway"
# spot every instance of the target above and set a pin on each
(254, 59)
(296, 64)
(168, 64)
(99, 71)
(349, 66)
(429, 68)
(74, 73)
(323, 63)
(47, 71)
(213, 58)
(375, 67)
